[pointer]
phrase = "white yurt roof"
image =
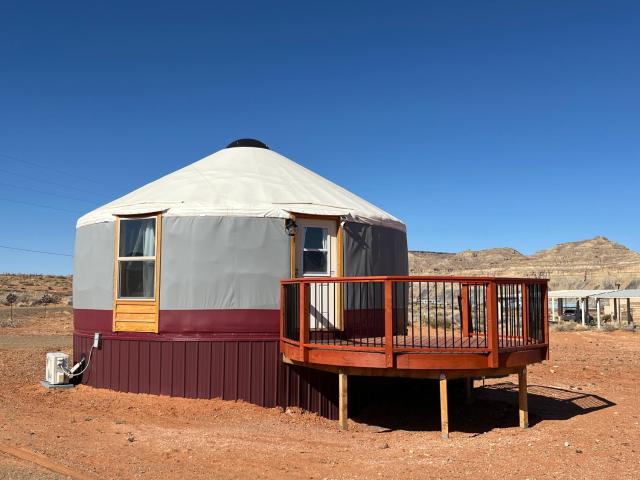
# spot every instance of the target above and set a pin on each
(243, 181)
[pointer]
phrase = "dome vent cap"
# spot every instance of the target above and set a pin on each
(247, 142)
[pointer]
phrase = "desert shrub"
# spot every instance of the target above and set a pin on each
(8, 322)
(564, 326)
(47, 299)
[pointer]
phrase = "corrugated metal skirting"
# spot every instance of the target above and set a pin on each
(232, 370)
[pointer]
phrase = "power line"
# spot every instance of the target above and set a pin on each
(36, 251)
(40, 205)
(47, 167)
(48, 182)
(20, 187)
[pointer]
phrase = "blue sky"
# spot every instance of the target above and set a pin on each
(480, 124)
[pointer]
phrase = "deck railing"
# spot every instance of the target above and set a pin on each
(413, 315)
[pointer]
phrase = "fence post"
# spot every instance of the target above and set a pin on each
(304, 319)
(492, 324)
(388, 322)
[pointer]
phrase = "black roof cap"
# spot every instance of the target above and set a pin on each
(247, 142)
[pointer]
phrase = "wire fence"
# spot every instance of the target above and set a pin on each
(11, 317)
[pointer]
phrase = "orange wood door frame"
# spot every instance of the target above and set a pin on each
(339, 259)
(339, 243)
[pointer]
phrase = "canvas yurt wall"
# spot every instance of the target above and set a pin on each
(209, 245)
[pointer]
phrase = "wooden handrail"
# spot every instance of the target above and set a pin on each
(416, 278)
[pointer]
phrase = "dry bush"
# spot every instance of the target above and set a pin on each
(563, 326)
(8, 322)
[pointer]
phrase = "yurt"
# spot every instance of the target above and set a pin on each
(181, 277)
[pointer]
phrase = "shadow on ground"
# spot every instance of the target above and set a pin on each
(413, 405)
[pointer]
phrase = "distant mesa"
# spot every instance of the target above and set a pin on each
(594, 263)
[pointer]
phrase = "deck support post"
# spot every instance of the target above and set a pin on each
(522, 398)
(444, 407)
(598, 312)
(342, 400)
(469, 390)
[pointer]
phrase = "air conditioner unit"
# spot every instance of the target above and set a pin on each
(56, 363)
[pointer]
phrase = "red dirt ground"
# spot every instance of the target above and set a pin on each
(584, 411)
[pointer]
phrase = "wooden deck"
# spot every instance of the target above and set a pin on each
(415, 323)
(423, 327)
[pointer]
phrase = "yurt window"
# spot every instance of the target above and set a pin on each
(137, 258)
(315, 256)
(136, 303)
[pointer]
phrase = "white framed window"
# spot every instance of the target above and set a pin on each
(137, 259)
(315, 252)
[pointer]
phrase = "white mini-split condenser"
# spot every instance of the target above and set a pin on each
(57, 362)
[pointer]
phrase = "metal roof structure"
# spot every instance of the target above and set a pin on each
(578, 293)
(632, 293)
(585, 295)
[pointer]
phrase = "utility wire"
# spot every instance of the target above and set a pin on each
(48, 182)
(36, 251)
(20, 187)
(40, 205)
(48, 167)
